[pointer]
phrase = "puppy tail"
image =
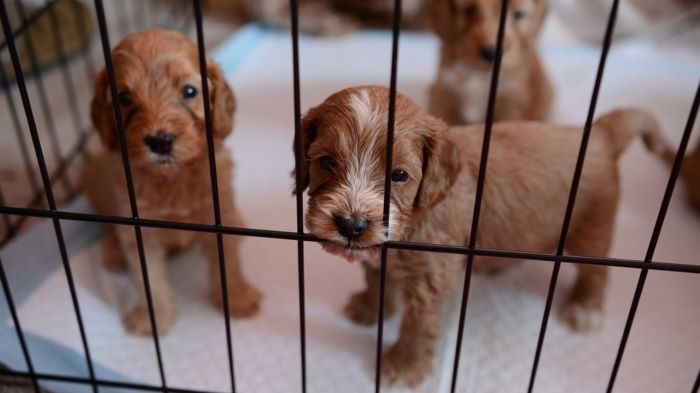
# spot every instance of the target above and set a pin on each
(623, 125)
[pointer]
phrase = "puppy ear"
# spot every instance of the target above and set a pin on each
(223, 103)
(441, 164)
(102, 113)
(442, 15)
(307, 134)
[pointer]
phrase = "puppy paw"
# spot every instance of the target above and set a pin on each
(581, 318)
(403, 369)
(244, 302)
(364, 310)
(137, 321)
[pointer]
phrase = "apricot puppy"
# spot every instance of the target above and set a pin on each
(468, 32)
(162, 110)
(434, 179)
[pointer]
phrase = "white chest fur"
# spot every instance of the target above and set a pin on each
(472, 87)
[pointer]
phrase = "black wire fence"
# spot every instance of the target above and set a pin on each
(44, 203)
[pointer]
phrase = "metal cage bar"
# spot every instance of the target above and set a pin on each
(18, 327)
(47, 188)
(607, 41)
(43, 97)
(666, 201)
(395, 34)
(490, 111)
(214, 185)
(298, 194)
(106, 48)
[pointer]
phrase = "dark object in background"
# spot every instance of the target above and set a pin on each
(16, 384)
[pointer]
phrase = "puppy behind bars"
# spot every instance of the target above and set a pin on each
(162, 109)
(434, 175)
(468, 32)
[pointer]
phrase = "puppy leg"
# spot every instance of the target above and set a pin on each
(363, 307)
(409, 361)
(583, 309)
(112, 254)
(137, 321)
(243, 297)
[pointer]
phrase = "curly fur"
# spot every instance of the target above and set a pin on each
(528, 179)
(152, 67)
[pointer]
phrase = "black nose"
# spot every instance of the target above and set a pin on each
(488, 53)
(351, 228)
(160, 142)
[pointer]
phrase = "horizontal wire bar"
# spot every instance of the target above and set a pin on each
(284, 235)
(99, 382)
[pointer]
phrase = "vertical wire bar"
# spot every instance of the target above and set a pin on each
(607, 42)
(490, 111)
(18, 326)
(696, 385)
(666, 201)
(19, 76)
(298, 157)
(104, 35)
(214, 184)
(24, 149)
(43, 97)
(395, 34)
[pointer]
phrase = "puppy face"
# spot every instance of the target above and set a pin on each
(344, 142)
(470, 28)
(160, 98)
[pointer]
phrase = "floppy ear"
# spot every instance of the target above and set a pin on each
(441, 164)
(102, 113)
(442, 14)
(223, 103)
(307, 134)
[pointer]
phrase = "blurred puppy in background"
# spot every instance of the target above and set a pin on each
(162, 110)
(434, 175)
(468, 32)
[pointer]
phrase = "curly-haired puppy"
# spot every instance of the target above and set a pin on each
(432, 197)
(160, 96)
(468, 31)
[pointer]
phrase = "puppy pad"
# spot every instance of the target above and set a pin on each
(504, 311)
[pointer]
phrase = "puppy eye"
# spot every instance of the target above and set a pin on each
(518, 14)
(189, 92)
(124, 99)
(470, 11)
(399, 176)
(327, 163)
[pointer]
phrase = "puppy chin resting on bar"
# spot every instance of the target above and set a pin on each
(434, 176)
(162, 111)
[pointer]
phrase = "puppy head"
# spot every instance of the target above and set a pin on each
(469, 28)
(344, 147)
(160, 97)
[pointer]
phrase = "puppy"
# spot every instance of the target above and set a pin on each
(434, 179)
(160, 95)
(468, 32)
